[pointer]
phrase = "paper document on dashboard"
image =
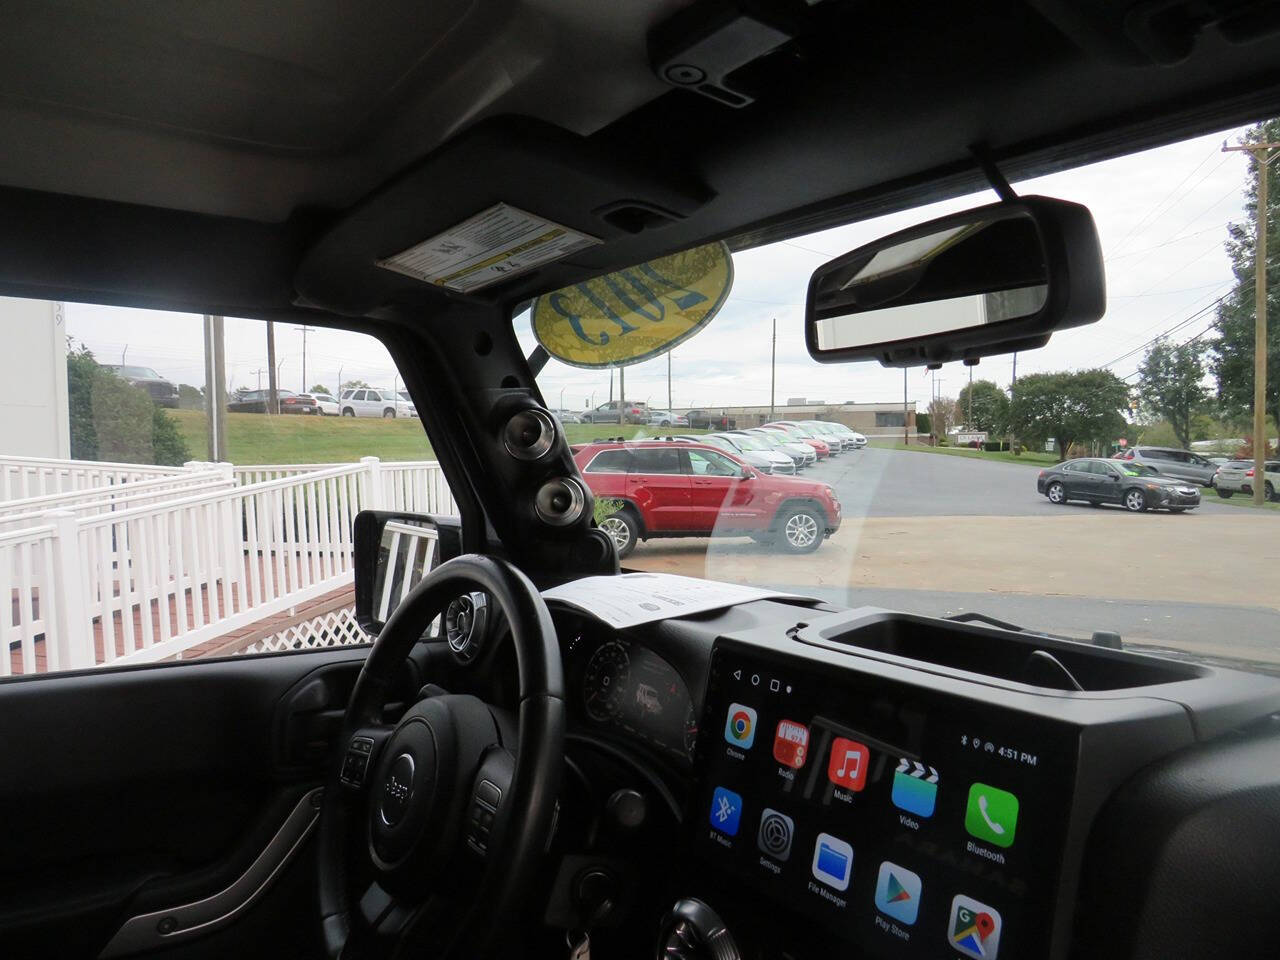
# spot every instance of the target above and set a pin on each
(631, 599)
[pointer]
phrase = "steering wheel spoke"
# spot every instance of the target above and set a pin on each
(489, 789)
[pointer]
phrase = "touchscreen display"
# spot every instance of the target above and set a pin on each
(879, 814)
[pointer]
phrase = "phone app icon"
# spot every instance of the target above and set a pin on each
(847, 766)
(898, 893)
(832, 861)
(992, 814)
(974, 929)
(915, 787)
(740, 726)
(791, 744)
(776, 831)
(726, 811)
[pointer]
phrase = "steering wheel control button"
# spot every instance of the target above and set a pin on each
(483, 812)
(397, 790)
(355, 765)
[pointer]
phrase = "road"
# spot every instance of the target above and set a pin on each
(941, 534)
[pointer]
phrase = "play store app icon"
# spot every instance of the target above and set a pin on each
(898, 893)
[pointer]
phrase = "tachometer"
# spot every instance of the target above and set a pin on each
(605, 681)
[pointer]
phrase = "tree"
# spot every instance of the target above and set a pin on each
(942, 414)
(989, 405)
(189, 397)
(1170, 385)
(1233, 351)
(354, 385)
(319, 388)
(1069, 406)
(111, 420)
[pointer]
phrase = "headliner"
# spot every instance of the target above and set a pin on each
(225, 156)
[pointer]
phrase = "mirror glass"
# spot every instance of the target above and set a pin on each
(957, 277)
(408, 550)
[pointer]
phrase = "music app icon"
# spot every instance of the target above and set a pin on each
(847, 766)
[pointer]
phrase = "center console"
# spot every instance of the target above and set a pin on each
(869, 785)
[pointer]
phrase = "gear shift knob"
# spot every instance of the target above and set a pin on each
(693, 931)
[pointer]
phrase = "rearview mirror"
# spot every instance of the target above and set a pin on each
(991, 280)
(393, 552)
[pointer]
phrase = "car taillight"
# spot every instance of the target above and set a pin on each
(1042, 473)
(1249, 472)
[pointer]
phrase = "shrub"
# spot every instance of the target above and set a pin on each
(607, 508)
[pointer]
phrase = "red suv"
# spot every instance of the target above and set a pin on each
(694, 490)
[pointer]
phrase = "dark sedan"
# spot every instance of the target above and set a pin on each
(255, 401)
(1132, 485)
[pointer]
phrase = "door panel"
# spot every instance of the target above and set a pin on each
(140, 789)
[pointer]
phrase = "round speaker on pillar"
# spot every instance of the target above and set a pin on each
(560, 501)
(529, 434)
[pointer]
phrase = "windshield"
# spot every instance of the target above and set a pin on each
(945, 511)
(142, 373)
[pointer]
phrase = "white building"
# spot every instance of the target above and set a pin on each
(33, 379)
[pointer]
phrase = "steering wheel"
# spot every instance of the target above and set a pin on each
(431, 828)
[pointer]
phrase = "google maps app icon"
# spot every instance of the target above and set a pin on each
(974, 929)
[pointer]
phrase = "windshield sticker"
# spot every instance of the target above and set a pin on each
(636, 313)
(499, 243)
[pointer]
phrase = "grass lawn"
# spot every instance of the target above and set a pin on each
(256, 438)
(1028, 458)
(1237, 500)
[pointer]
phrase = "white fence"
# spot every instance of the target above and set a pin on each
(143, 581)
(35, 476)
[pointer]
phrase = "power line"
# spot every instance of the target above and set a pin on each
(1177, 326)
(1148, 218)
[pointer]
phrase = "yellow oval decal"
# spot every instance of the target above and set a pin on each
(636, 313)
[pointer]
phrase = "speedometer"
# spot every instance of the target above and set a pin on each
(605, 681)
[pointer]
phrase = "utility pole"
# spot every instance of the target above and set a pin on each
(622, 395)
(669, 410)
(215, 387)
(259, 372)
(906, 437)
(273, 387)
(773, 369)
(1261, 156)
(968, 417)
(1013, 384)
(304, 330)
(122, 354)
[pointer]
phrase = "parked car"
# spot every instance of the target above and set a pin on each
(843, 431)
(801, 454)
(1134, 485)
(749, 447)
(710, 420)
(566, 416)
(1172, 462)
(162, 391)
(608, 413)
(766, 461)
(665, 418)
(326, 405)
(1237, 476)
(680, 489)
(255, 401)
(820, 447)
(376, 402)
(819, 430)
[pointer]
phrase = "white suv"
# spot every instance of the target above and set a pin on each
(377, 402)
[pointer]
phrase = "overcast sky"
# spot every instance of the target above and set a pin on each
(1162, 216)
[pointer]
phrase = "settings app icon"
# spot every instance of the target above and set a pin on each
(776, 830)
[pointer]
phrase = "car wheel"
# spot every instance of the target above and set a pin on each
(388, 414)
(801, 529)
(622, 530)
(348, 412)
(1224, 494)
(1135, 501)
(1270, 490)
(1056, 493)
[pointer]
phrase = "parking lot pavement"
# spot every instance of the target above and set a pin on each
(927, 528)
(875, 482)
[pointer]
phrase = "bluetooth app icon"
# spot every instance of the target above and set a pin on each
(726, 811)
